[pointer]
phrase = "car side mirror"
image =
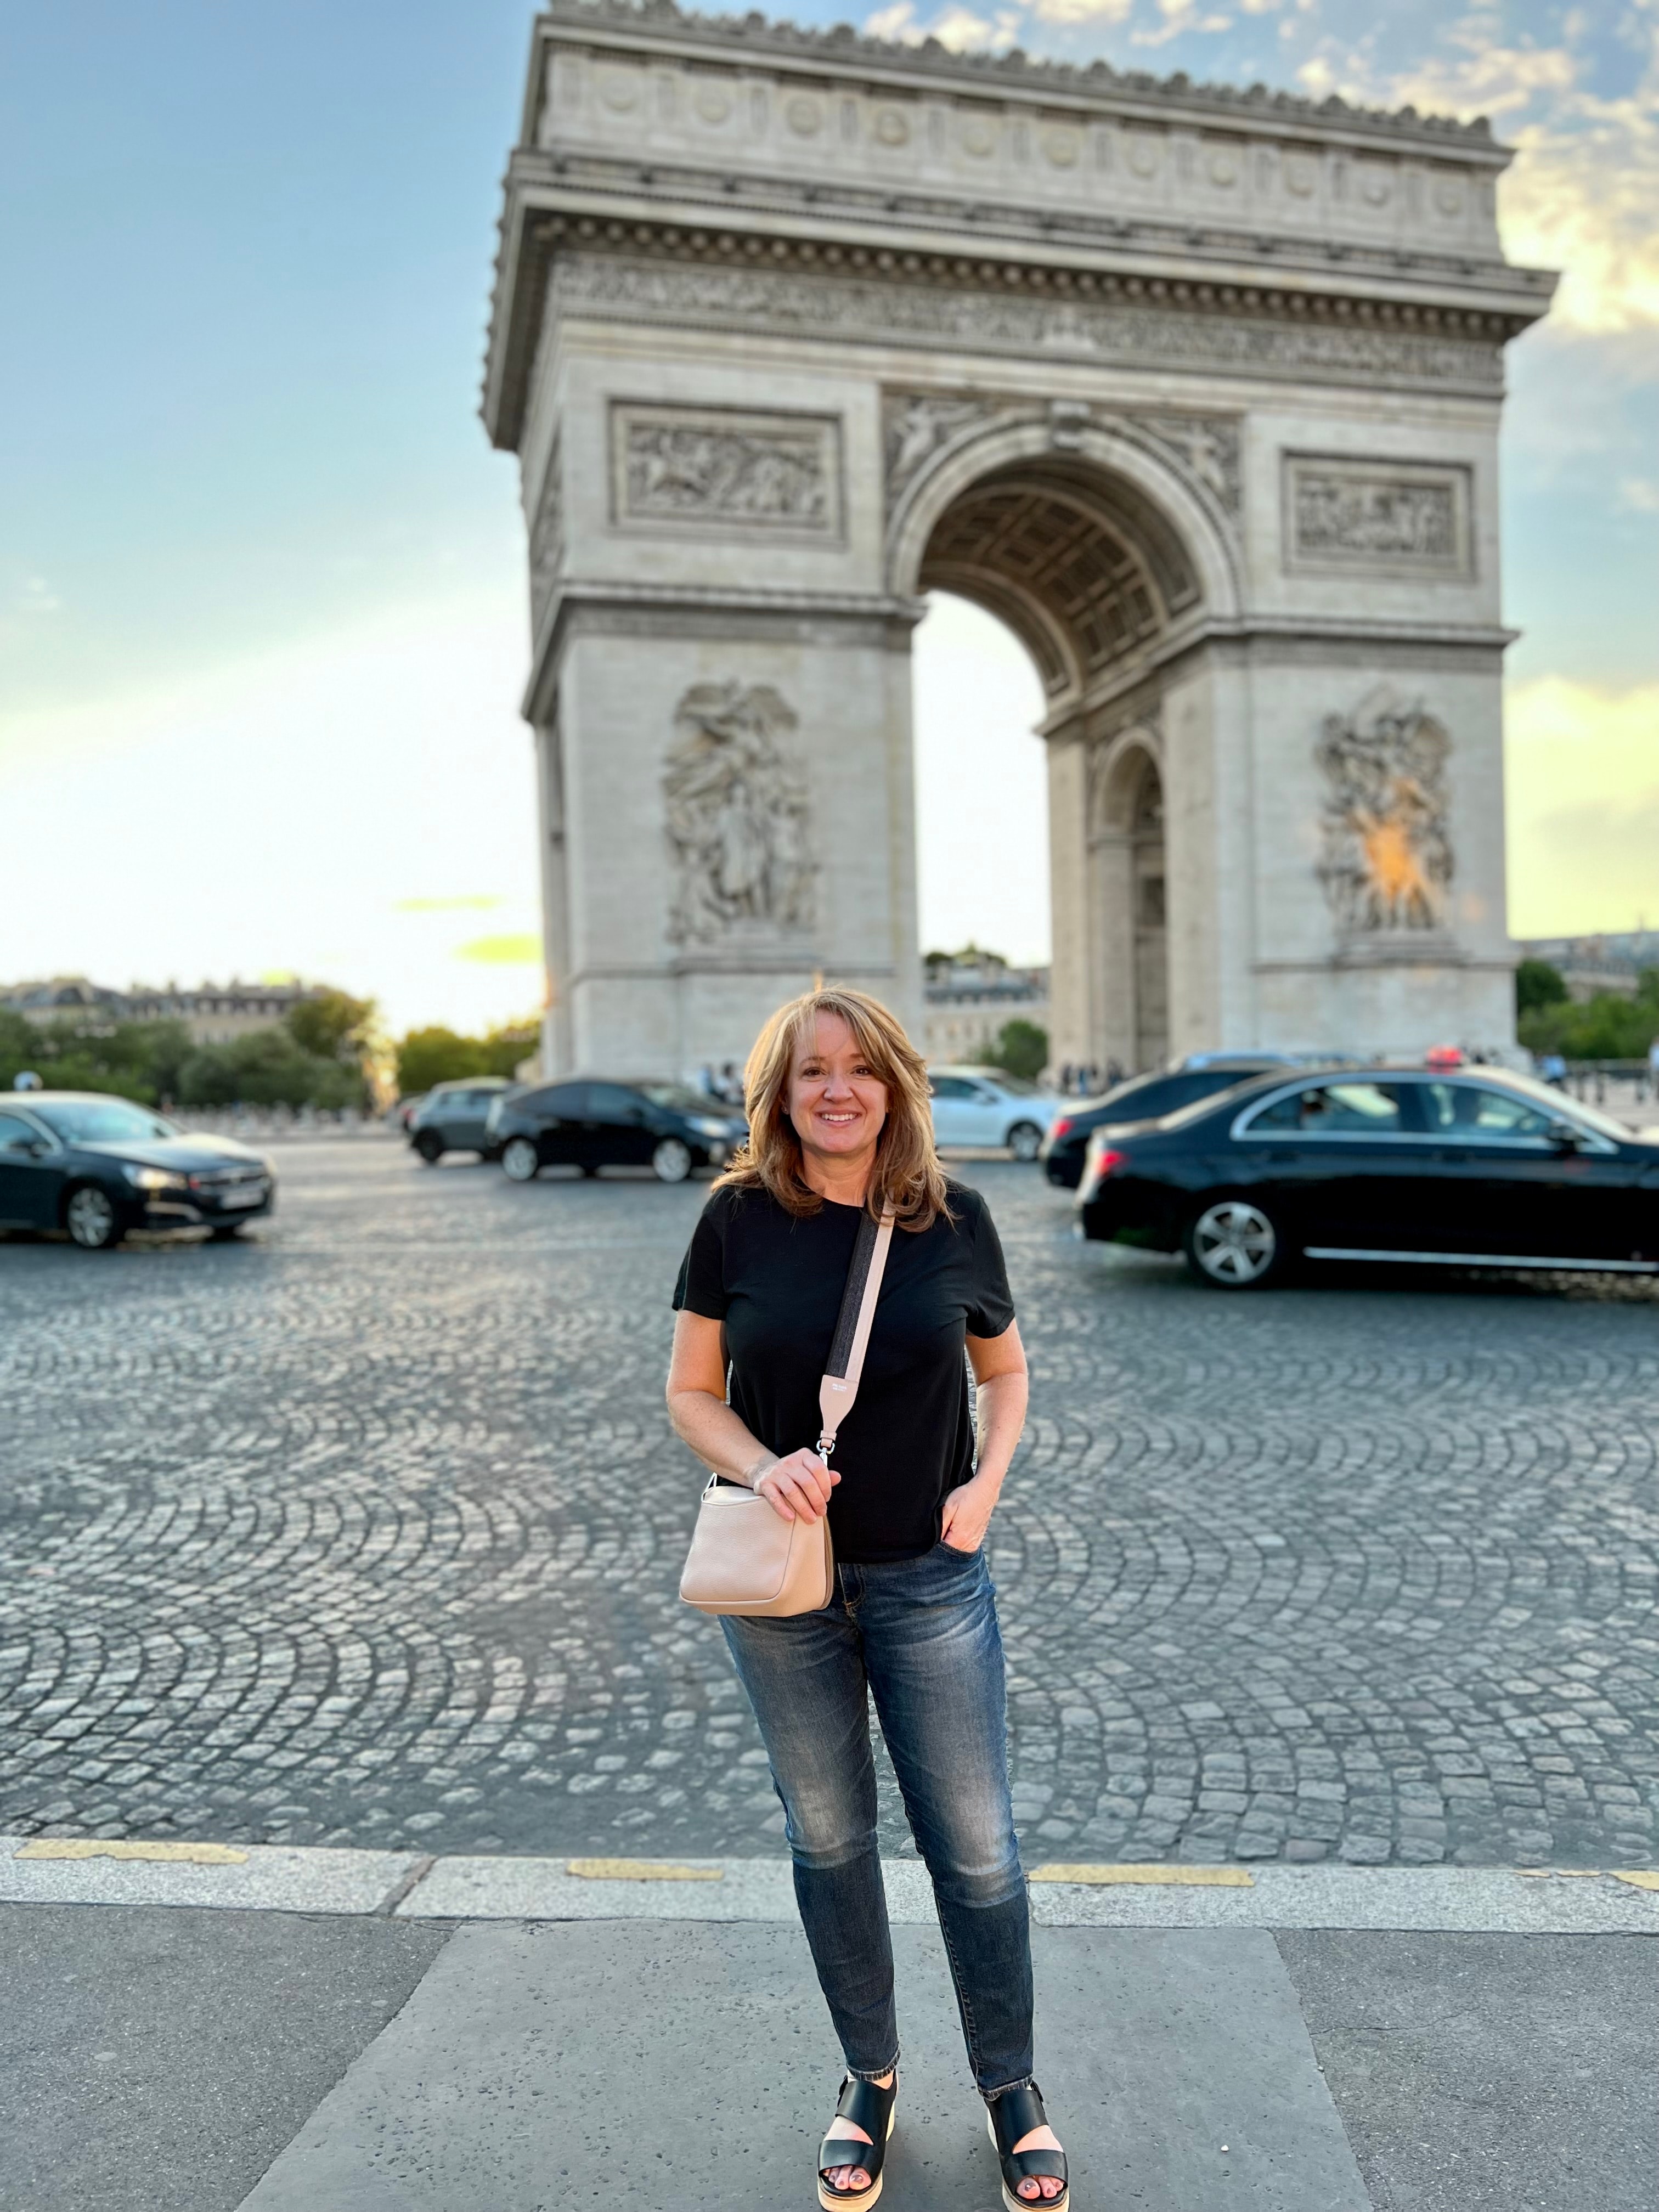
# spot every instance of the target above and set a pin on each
(1564, 1136)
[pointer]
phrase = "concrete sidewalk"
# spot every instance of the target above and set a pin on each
(170, 2057)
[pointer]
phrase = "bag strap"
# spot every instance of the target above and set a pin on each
(840, 1385)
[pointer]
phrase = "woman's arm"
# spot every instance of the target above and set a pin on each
(1001, 1388)
(800, 1484)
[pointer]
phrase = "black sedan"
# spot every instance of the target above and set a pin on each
(1473, 1170)
(1143, 1098)
(595, 1123)
(99, 1167)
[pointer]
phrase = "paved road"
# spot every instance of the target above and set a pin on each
(368, 1531)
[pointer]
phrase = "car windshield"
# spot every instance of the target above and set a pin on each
(1565, 1108)
(1016, 1085)
(684, 1100)
(102, 1121)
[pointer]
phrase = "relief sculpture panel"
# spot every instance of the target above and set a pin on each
(716, 469)
(1386, 517)
(1386, 857)
(737, 809)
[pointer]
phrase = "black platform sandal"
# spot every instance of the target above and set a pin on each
(1014, 2114)
(872, 2109)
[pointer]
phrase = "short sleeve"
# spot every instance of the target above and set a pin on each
(701, 1288)
(990, 1301)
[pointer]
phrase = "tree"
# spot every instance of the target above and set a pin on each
(1538, 985)
(331, 1024)
(1608, 1027)
(267, 1067)
(442, 1056)
(1021, 1048)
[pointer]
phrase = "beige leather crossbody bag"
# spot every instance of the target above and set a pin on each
(744, 1558)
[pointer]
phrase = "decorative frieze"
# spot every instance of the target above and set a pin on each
(1383, 517)
(737, 810)
(919, 426)
(1039, 322)
(714, 468)
(1386, 864)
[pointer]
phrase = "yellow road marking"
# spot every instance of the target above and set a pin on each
(1639, 1877)
(1560, 1874)
(1173, 1877)
(103, 1847)
(640, 1870)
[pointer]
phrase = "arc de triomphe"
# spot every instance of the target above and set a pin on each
(1197, 390)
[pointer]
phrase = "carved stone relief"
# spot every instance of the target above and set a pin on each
(983, 321)
(547, 535)
(1204, 448)
(737, 810)
(1387, 858)
(1387, 518)
(704, 467)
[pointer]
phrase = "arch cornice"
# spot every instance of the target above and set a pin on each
(1102, 447)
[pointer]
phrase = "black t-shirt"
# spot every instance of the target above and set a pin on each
(776, 1282)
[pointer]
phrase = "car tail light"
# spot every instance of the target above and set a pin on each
(1108, 1160)
(1062, 1127)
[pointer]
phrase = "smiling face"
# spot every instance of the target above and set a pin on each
(836, 1102)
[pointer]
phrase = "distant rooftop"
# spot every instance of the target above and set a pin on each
(843, 44)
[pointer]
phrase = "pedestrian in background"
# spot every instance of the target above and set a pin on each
(839, 1127)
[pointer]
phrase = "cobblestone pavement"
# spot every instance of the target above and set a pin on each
(369, 1531)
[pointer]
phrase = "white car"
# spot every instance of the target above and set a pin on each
(983, 1106)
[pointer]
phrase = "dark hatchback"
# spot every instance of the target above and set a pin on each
(1143, 1098)
(597, 1122)
(98, 1167)
(1472, 1169)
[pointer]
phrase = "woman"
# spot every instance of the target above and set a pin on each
(839, 1125)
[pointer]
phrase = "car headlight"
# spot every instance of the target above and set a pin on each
(155, 1179)
(720, 1130)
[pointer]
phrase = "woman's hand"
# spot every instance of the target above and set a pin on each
(967, 1516)
(796, 1488)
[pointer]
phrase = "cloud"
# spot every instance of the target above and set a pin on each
(447, 905)
(1179, 20)
(1639, 495)
(1083, 11)
(955, 27)
(1583, 773)
(37, 598)
(521, 949)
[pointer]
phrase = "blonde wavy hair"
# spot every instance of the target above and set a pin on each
(906, 1175)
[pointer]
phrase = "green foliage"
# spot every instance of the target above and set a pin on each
(332, 1025)
(136, 1059)
(440, 1055)
(1021, 1048)
(1538, 985)
(1606, 1027)
(267, 1067)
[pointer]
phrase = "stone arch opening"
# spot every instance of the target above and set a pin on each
(1088, 570)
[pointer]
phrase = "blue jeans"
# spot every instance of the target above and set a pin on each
(922, 1634)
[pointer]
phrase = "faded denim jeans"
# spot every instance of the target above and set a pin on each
(921, 1636)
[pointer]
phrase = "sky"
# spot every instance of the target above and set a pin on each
(262, 607)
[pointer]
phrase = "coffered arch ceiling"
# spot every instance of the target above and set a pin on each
(1081, 567)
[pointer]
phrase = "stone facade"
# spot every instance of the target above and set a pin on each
(1197, 390)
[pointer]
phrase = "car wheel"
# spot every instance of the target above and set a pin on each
(1025, 1141)
(1234, 1246)
(226, 1231)
(671, 1161)
(430, 1146)
(91, 1219)
(519, 1160)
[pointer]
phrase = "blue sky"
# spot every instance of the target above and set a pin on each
(261, 599)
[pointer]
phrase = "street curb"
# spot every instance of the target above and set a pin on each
(418, 1886)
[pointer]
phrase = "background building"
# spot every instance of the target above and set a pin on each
(214, 1013)
(1589, 965)
(968, 997)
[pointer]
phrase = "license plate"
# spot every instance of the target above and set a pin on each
(246, 1197)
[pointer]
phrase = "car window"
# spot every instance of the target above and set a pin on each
(1343, 1109)
(1017, 1086)
(564, 1102)
(16, 1136)
(951, 1086)
(103, 1121)
(1465, 1109)
(685, 1100)
(610, 1102)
